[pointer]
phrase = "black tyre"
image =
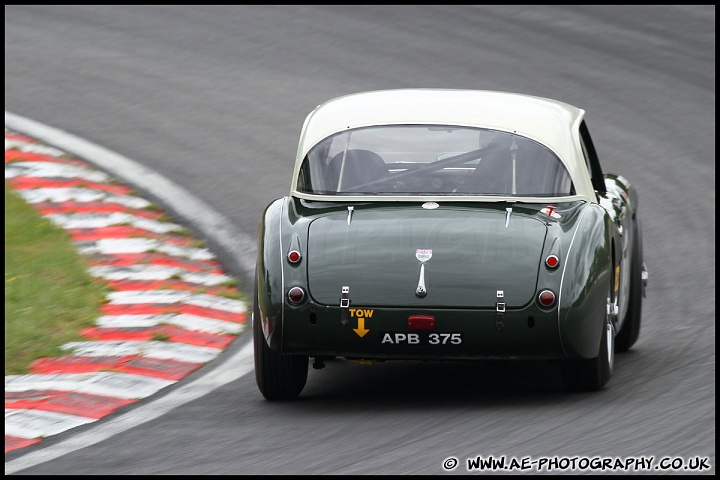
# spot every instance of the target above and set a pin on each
(592, 374)
(630, 330)
(278, 376)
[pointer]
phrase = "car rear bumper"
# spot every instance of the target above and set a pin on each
(392, 333)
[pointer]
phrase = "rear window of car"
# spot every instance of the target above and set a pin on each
(432, 160)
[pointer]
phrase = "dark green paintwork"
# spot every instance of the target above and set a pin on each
(474, 255)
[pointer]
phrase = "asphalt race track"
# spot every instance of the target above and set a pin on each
(212, 98)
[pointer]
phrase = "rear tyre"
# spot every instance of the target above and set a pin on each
(630, 330)
(592, 374)
(278, 376)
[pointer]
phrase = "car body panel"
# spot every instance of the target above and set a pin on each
(577, 317)
(472, 253)
(586, 285)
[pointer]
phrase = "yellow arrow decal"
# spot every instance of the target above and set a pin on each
(360, 330)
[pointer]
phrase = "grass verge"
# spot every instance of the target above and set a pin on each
(49, 295)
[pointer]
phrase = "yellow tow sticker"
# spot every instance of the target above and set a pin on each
(361, 314)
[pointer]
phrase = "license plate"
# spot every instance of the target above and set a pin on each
(421, 338)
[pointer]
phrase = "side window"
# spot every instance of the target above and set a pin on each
(592, 160)
(304, 182)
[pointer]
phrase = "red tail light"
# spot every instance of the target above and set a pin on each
(552, 261)
(296, 295)
(421, 322)
(294, 256)
(546, 299)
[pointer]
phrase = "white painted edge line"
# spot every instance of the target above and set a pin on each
(29, 424)
(240, 364)
(110, 384)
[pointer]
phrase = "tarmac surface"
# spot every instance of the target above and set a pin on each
(171, 307)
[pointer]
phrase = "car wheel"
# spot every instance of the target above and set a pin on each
(278, 376)
(630, 330)
(590, 374)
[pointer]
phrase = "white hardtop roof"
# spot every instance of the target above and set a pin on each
(553, 123)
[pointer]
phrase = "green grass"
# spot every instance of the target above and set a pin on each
(49, 295)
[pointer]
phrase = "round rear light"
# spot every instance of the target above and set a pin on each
(546, 298)
(294, 256)
(296, 295)
(552, 261)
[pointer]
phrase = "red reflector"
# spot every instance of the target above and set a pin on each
(552, 261)
(296, 295)
(546, 298)
(421, 322)
(294, 256)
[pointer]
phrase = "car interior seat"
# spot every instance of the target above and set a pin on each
(493, 175)
(360, 167)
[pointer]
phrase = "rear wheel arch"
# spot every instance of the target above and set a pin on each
(278, 376)
(587, 285)
(591, 374)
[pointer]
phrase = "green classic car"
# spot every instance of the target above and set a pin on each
(440, 224)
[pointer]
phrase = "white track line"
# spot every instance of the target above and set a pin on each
(237, 245)
(240, 364)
